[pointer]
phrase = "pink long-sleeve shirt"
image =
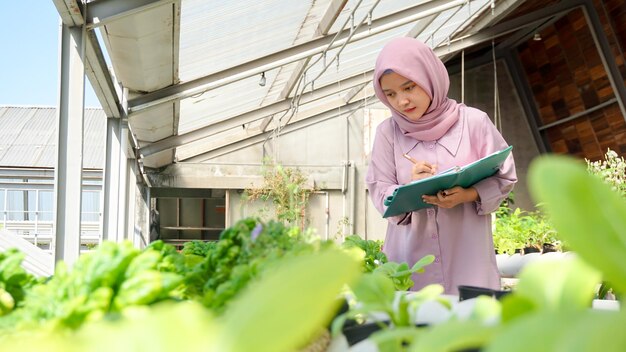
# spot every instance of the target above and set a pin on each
(460, 238)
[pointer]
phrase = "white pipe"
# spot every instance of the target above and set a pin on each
(327, 215)
(352, 192)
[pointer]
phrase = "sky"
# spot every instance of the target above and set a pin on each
(29, 62)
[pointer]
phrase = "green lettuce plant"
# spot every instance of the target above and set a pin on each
(373, 251)
(518, 229)
(280, 311)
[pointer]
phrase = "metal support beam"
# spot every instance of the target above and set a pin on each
(70, 12)
(124, 178)
(295, 53)
(183, 178)
(131, 232)
(251, 139)
(102, 12)
(106, 88)
(606, 54)
(251, 116)
(527, 100)
(110, 192)
(104, 85)
(501, 10)
(531, 19)
(326, 22)
(579, 114)
(68, 176)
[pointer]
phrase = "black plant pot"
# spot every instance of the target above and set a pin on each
(357, 333)
(531, 250)
(467, 292)
(548, 247)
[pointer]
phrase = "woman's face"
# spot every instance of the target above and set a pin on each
(404, 95)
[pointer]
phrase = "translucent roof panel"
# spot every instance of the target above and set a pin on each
(355, 58)
(383, 8)
(215, 35)
(333, 102)
(449, 21)
(226, 102)
(206, 49)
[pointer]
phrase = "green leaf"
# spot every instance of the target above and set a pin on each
(426, 260)
(285, 308)
(375, 288)
(563, 331)
(567, 284)
(394, 340)
(515, 306)
(586, 212)
(486, 310)
(454, 336)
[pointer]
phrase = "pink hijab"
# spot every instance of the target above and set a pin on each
(414, 60)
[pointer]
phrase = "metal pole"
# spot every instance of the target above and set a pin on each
(110, 191)
(606, 54)
(68, 175)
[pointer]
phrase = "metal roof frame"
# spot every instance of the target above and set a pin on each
(247, 138)
(117, 103)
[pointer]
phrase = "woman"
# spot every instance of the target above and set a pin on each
(427, 132)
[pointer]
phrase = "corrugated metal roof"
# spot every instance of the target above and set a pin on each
(28, 137)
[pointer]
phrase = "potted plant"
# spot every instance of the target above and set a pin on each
(520, 237)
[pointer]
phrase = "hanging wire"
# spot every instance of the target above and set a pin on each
(497, 117)
(301, 85)
(462, 76)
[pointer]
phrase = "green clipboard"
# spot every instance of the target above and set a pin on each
(408, 197)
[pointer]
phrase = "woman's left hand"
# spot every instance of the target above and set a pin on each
(452, 197)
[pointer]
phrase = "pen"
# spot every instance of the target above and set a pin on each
(406, 156)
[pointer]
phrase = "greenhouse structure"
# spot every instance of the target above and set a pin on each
(201, 100)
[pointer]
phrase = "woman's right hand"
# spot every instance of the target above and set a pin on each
(422, 169)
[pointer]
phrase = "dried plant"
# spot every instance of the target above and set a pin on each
(286, 189)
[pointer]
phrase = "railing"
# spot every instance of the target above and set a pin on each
(40, 233)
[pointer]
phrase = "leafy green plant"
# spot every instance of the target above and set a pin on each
(14, 280)
(102, 282)
(549, 310)
(518, 229)
(400, 273)
(373, 254)
(199, 248)
(244, 251)
(286, 189)
(375, 293)
(279, 311)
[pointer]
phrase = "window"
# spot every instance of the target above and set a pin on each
(90, 206)
(21, 205)
(45, 205)
(2, 198)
